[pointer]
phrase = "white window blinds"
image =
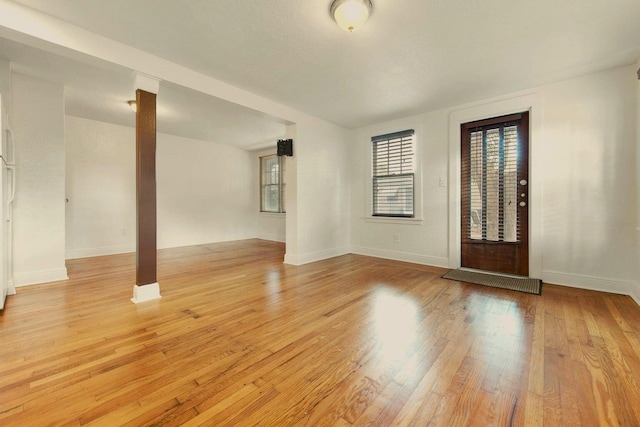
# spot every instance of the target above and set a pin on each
(493, 183)
(393, 174)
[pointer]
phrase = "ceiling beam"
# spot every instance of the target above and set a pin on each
(28, 26)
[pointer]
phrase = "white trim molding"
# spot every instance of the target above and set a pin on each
(414, 258)
(392, 220)
(314, 256)
(100, 251)
(38, 277)
(593, 283)
(143, 293)
(272, 237)
(515, 103)
(635, 293)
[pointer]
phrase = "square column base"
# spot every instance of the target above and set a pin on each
(142, 293)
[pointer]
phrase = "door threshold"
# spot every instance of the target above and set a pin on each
(494, 273)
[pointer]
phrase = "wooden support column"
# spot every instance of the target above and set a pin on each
(146, 187)
(147, 287)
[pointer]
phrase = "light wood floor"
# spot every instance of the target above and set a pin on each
(241, 339)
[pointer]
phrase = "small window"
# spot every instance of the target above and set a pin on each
(272, 184)
(393, 174)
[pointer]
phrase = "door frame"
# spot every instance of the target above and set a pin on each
(499, 107)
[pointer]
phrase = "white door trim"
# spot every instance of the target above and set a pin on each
(499, 107)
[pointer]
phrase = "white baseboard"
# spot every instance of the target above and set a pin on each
(402, 256)
(272, 237)
(635, 293)
(101, 251)
(314, 256)
(37, 277)
(593, 283)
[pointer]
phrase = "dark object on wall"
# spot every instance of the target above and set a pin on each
(285, 147)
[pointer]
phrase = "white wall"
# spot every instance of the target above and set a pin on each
(317, 192)
(582, 166)
(589, 205)
(37, 120)
(5, 82)
(269, 226)
(205, 190)
(100, 187)
(423, 240)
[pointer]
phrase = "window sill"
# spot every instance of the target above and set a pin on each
(273, 214)
(390, 220)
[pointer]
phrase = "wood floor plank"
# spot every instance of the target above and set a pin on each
(239, 338)
(552, 402)
(587, 408)
(437, 373)
(536, 358)
(604, 409)
(459, 413)
(534, 410)
(370, 416)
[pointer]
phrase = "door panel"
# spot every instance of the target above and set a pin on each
(495, 195)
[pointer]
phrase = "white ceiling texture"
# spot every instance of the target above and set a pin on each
(412, 56)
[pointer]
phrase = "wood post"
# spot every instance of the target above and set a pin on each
(146, 287)
(146, 188)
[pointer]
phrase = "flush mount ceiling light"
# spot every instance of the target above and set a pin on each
(133, 106)
(351, 14)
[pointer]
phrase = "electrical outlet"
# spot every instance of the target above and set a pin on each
(442, 182)
(396, 238)
(123, 231)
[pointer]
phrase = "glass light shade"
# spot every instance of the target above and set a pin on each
(351, 14)
(133, 106)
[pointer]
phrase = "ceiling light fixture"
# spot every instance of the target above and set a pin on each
(133, 106)
(351, 14)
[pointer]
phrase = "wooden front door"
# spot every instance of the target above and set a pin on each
(495, 194)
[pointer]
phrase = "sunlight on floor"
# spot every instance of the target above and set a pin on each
(395, 322)
(273, 284)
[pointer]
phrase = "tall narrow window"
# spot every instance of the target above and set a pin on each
(272, 184)
(393, 174)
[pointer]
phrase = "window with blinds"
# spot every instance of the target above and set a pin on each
(493, 183)
(272, 184)
(393, 174)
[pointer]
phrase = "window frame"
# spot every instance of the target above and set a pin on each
(365, 138)
(393, 172)
(281, 184)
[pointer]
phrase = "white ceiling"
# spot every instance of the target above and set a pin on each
(412, 56)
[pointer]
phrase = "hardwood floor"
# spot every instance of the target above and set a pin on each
(240, 339)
